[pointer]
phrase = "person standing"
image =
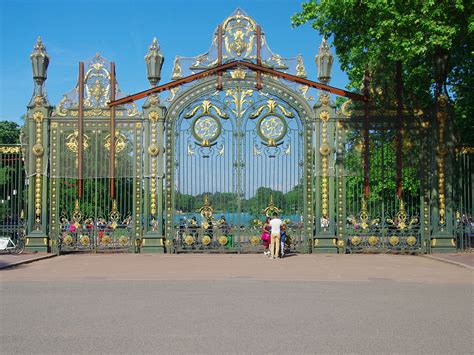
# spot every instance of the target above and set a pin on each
(266, 236)
(275, 223)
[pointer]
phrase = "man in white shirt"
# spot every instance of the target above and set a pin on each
(275, 223)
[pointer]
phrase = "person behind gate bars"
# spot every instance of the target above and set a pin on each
(275, 223)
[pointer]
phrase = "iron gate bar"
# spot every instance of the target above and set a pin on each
(252, 66)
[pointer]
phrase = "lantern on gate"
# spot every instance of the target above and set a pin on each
(154, 62)
(324, 60)
(39, 61)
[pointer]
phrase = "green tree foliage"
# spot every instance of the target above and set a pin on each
(9, 132)
(378, 33)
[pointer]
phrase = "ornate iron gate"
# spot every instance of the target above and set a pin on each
(236, 156)
(240, 135)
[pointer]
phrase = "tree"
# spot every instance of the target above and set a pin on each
(9, 132)
(378, 34)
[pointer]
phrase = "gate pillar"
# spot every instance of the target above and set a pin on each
(154, 113)
(442, 237)
(326, 241)
(38, 115)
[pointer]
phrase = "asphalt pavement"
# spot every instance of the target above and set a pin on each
(213, 304)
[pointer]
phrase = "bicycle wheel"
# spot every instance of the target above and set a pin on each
(20, 247)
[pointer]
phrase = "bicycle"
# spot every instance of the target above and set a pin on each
(7, 244)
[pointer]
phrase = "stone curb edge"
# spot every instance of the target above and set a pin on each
(449, 261)
(27, 261)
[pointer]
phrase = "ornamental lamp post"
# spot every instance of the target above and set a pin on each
(324, 61)
(39, 61)
(154, 62)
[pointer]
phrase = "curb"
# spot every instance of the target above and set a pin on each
(28, 261)
(449, 261)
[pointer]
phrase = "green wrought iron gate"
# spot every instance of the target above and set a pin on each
(236, 156)
(239, 135)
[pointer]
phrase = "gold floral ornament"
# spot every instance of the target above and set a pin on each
(105, 240)
(38, 150)
(373, 240)
(325, 149)
(189, 240)
(120, 142)
(394, 240)
(223, 240)
(356, 240)
(411, 240)
(340, 243)
(67, 239)
(153, 150)
(84, 240)
(123, 240)
(206, 210)
(254, 240)
(206, 240)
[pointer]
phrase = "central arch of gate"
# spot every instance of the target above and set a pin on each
(238, 147)
(234, 156)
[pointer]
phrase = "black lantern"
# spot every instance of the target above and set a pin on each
(154, 62)
(40, 61)
(324, 61)
(440, 67)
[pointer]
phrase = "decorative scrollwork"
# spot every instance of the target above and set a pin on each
(206, 210)
(120, 142)
(271, 208)
(114, 215)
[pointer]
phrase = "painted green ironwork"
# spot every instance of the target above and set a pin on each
(229, 149)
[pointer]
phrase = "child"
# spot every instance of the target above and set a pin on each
(282, 240)
(266, 236)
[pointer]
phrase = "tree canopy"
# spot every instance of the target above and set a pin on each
(9, 132)
(379, 33)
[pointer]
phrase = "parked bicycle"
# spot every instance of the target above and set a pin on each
(13, 246)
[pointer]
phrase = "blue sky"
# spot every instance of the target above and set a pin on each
(122, 31)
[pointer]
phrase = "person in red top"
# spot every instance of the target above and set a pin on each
(266, 236)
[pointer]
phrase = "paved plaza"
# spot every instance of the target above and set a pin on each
(142, 303)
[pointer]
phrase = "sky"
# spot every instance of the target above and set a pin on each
(121, 31)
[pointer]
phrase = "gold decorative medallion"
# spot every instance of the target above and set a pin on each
(223, 240)
(189, 240)
(356, 240)
(105, 240)
(411, 240)
(67, 239)
(206, 240)
(394, 240)
(254, 240)
(123, 240)
(373, 240)
(84, 240)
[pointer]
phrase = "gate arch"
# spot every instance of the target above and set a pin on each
(238, 110)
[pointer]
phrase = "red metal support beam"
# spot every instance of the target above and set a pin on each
(80, 130)
(399, 140)
(259, 57)
(219, 56)
(112, 131)
(226, 66)
(366, 138)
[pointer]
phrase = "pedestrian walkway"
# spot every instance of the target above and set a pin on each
(462, 259)
(10, 260)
